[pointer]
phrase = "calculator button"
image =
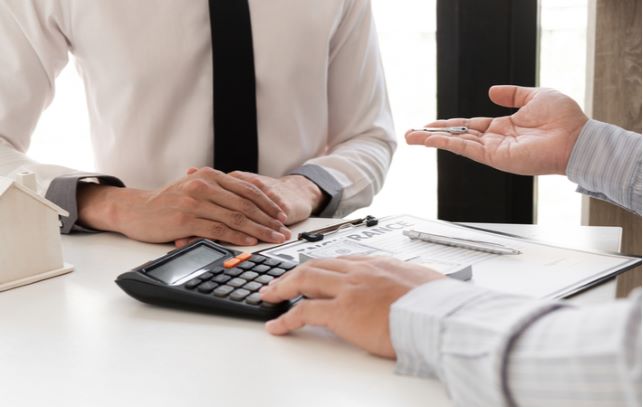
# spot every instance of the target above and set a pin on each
(206, 276)
(276, 272)
(193, 283)
(254, 299)
(252, 286)
(257, 258)
(272, 262)
(261, 268)
(207, 287)
(288, 265)
(265, 279)
(237, 282)
(217, 270)
(249, 275)
(239, 294)
(233, 272)
(233, 262)
(247, 265)
(244, 256)
(221, 279)
(223, 291)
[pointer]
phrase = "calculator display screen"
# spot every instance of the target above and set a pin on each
(185, 264)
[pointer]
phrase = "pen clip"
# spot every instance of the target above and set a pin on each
(319, 234)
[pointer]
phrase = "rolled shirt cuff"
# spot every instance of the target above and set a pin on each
(449, 318)
(606, 164)
(62, 191)
(328, 185)
(415, 322)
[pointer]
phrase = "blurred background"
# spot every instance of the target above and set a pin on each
(407, 33)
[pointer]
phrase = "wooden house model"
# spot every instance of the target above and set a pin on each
(30, 243)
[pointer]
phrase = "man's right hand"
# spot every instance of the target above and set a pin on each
(536, 140)
(207, 203)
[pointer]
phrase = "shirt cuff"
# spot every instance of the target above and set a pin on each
(606, 164)
(62, 192)
(415, 323)
(328, 185)
(449, 318)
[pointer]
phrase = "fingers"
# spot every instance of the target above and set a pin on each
(306, 312)
(309, 281)
(511, 96)
(464, 146)
(221, 232)
(253, 194)
(225, 192)
(238, 221)
(209, 203)
(256, 181)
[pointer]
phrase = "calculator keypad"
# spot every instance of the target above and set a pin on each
(237, 282)
(221, 279)
(207, 287)
(223, 291)
(276, 272)
(261, 268)
(249, 275)
(233, 272)
(239, 295)
(240, 281)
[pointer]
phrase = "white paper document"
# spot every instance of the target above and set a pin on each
(541, 270)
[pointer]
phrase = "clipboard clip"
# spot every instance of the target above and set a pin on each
(319, 234)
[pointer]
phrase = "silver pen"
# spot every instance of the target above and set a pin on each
(450, 130)
(477, 245)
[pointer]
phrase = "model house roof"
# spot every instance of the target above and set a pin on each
(7, 183)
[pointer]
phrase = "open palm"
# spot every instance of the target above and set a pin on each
(536, 140)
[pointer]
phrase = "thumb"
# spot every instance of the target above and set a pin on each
(511, 96)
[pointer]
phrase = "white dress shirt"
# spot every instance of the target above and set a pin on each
(496, 349)
(147, 70)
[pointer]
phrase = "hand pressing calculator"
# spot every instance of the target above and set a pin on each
(208, 276)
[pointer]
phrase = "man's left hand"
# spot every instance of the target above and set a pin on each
(351, 296)
(297, 196)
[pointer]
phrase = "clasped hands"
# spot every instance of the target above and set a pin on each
(238, 208)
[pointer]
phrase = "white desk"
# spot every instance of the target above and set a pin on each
(78, 340)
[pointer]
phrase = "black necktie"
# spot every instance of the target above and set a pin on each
(235, 102)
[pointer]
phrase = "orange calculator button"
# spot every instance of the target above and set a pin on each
(231, 263)
(244, 256)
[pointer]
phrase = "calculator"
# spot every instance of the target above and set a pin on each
(207, 276)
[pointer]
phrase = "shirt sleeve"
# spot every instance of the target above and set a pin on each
(361, 140)
(503, 350)
(33, 50)
(606, 164)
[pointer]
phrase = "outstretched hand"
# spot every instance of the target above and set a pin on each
(536, 140)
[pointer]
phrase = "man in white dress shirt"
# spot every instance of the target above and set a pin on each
(493, 349)
(323, 121)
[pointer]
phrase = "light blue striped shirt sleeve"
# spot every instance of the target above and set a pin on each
(606, 164)
(495, 349)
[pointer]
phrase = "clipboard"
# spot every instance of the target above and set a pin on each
(543, 270)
